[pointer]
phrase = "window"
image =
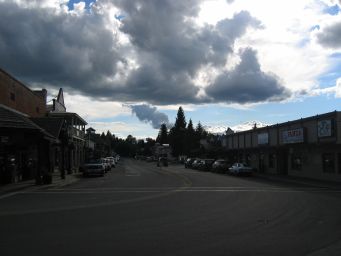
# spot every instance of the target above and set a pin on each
(272, 160)
(12, 95)
(296, 162)
(328, 161)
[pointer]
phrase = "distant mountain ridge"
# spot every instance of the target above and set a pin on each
(221, 129)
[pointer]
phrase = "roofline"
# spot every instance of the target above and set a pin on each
(18, 81)
(68, 114)
(14, 110)
(36, 127)
(288, 122)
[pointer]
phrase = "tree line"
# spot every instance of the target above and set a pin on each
(183, 138)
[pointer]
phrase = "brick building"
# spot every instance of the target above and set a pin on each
(18, 96)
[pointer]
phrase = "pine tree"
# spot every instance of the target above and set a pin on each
(162, 137)
(180, 121)
(177, 135)
(190, 138)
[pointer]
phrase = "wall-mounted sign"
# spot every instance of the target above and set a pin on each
(324, 128)
(293, 136)
(263, 138)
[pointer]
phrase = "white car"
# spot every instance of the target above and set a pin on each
(106, 164)
(111, 161)
(240, 168)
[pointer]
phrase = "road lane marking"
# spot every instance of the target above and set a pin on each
(161, 190)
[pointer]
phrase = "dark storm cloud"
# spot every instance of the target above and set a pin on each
(39, 45)
(149, 114)
(156, 86)
(81, 52)
(163, 28)
(331, 36)
(247, 83)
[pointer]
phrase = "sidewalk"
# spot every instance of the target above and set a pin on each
(57, 181)
(300, 180)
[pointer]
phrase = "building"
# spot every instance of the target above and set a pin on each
(33, 132)
(73, 139)
(18, 96)
(309, 147)
(25, 148)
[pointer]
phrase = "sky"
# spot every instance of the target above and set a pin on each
(127, 66)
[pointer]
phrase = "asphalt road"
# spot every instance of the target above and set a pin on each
(140, 209)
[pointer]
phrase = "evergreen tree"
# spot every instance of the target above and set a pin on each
(180, 121)
(162, 137)
(190, 138)
(200, 131)
(177, 136)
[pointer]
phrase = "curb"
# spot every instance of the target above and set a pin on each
(299, 180)
(30, 184)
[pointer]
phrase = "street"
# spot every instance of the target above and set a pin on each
(140, 209)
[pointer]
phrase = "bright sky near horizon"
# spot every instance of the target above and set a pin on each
(126, 66)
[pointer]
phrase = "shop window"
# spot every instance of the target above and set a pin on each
(328, 161)
(272, 160)
(296, 162)
(248, 159)
(12, 95)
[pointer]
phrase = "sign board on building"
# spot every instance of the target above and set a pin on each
(293, 136)
(324, 128)
(263, 138)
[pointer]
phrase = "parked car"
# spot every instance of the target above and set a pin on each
(221, 166)
(106, 164)
(240, 168)
(206, 164)
(93, 169)
(111, 160)
(189, 162)
(196, 163)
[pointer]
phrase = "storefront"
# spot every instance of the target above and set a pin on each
(309, 147)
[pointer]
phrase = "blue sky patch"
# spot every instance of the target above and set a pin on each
(332, 10)
(87, 3)
(315, 27)
(329, 79)
(119, 17)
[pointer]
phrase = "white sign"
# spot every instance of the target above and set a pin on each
(324, 128)
(263, 138)
(293, 136)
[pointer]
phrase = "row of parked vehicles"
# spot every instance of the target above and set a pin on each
(98, 167)
(219, 165)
